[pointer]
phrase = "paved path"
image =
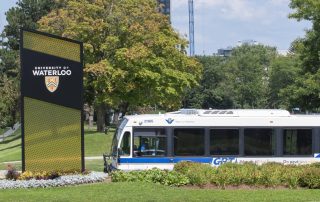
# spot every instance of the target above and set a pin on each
(9, 132)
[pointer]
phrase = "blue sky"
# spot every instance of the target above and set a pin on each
(222, 23)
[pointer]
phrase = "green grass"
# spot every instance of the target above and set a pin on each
(94, 165)
(10, 149)
(97, 143)
(153, 192)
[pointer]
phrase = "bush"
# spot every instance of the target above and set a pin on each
(292, 175)
(12, 173)
(271, 174)
(198, 173)
(268, 175)
(310, 178)
(236, 174)
(165, 177)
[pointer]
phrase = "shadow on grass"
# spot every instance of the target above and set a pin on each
(90, 132)
(11, 147)
(11, 139)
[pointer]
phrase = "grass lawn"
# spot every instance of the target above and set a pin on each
(153, 192)
(95, 145)
(94, 165)
(10, 149)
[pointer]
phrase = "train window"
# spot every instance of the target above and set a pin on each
(150, 142)
(259, 141)
(297, 142)
(224, 142)
(189, 142)
(125, 144)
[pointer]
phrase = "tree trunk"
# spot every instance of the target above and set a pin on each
(116, 117)
(91, 114)
(123, 109)
(100, 118)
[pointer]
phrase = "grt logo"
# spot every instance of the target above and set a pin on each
(222, 160)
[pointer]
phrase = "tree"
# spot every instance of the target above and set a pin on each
(25, 14)
(304, 92)
(131, 53)
(284, 71)
(238, 81)
(212, 91)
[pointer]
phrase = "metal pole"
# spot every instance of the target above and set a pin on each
(191, 27)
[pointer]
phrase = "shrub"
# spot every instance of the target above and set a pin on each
(315, 165)
(310, 178)
(236, 174)
(165, 177)
(12, 173)
(292, 175)
(268, 175)
(198, 174)
(271, 174)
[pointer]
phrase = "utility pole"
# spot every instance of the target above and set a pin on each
(191, 27)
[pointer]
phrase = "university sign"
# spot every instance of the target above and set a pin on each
(51, 75)
(51, 97)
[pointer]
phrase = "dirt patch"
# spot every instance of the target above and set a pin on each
(108, 179)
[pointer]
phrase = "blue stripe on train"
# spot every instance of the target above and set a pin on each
(165, 159)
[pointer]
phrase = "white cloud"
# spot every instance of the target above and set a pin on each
(220, 23)
(244, 10)
(280, 2)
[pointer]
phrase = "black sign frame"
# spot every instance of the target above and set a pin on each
(22, 30)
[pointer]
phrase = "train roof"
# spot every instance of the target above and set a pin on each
(225, 118)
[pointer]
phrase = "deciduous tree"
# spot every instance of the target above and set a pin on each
(133, 56)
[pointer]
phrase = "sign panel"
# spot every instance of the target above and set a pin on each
(51, 97)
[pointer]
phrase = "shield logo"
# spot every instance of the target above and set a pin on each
(52, 83)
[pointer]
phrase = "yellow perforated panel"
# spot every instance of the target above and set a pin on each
(52, 137)
(51, 46)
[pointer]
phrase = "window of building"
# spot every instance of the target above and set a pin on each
(188, 142)
(259, 141)
(150, 142)
(297, 142)
(125, 145)
(224, 142)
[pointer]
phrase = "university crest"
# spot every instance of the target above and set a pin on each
(52, 83)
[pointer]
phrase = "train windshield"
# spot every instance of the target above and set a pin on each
(116, 137)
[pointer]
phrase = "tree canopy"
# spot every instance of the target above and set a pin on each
(24, 15)
(305, 92)
(131, 51)
(238, 81)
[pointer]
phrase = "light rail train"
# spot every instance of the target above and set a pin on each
(214, 137)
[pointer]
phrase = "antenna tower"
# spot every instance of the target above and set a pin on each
(191, 27)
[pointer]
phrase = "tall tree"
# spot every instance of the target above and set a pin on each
(238, 81)
(213, 91)
(133, 56)
(24, 15)
(305, 92)
(284, 71)
(247, 74)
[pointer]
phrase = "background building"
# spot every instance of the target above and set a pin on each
(225, 52)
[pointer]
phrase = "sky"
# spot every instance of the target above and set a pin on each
(222, 23)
